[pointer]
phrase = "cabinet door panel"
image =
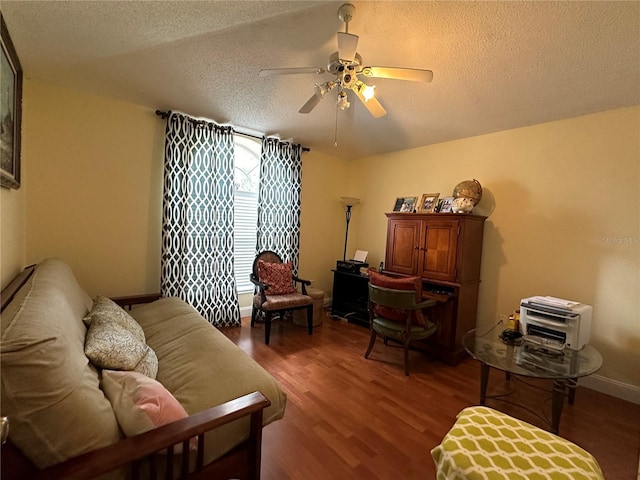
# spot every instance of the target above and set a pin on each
(402, 246)
(438, 251)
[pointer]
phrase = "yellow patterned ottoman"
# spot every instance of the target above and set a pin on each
(485, 444)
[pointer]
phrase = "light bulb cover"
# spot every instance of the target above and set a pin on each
(368, 92)
(349, 201)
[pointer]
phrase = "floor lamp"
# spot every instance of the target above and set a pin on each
(348, 202)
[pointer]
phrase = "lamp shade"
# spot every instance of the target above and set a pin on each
(349, 201)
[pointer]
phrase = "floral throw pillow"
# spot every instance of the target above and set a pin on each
(278, 276)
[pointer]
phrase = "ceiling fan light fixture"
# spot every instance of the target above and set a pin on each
(343, 101)
(368, 92)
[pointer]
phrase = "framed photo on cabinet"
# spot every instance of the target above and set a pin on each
(405, 204)
(428, 202)
(447, 205)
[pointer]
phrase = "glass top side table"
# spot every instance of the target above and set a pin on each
(564, 367)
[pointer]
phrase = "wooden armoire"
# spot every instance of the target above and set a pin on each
(445, 249)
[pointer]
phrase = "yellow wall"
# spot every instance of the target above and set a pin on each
(95, 188)
(563, 199)
(96, 193)
(12, 231)
(324, 181)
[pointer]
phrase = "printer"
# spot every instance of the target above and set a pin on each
(350, 266)
(562, 322)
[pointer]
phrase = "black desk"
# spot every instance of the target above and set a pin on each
(350, 297)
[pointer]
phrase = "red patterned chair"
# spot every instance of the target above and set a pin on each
(276, 292)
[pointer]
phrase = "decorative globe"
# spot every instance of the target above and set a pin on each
(469, 189)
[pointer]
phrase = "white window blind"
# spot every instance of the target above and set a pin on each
(246, 218)
(247, 171)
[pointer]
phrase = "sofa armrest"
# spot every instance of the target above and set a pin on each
(130, 451)
(128, 301)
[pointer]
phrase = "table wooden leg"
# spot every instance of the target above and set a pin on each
(484, 380)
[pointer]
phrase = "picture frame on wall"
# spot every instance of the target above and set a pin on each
(405, 204)
(446, 205)
(10, 111)
(428, 202)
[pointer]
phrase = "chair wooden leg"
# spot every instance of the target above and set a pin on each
(372, 341)
(310, 319)
(254, 314)
(267, 327)
(406, 358)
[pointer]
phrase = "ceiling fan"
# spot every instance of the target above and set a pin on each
(346, 66)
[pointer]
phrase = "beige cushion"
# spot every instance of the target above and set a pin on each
(104, 307)
(282, 302)
(116, 341)
(110, 345)
(148, 365)
(182, 339)
(50, 391)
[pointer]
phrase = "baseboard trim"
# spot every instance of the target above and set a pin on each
(623, 391)
(245, 312)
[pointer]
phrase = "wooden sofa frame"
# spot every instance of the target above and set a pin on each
(143, 451)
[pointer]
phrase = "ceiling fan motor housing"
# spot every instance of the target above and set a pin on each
(337, 66)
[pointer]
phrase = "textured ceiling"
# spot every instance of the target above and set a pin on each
(497, 65)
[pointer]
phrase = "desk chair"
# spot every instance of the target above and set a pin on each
(397, 315)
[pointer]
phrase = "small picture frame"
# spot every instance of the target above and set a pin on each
(446, 205)
(428, 202)
(405, 204)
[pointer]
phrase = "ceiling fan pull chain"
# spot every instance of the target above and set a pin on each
(335, 132)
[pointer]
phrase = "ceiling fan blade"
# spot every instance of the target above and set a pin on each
(321, 91)
(373, 105)
(289, 71)
(311, 103)
(347, 45)
(412, 74)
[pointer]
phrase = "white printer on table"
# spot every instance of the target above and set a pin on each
(555, 322)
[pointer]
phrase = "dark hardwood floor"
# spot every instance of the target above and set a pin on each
(352, 418)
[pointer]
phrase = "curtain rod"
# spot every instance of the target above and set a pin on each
(166, 114)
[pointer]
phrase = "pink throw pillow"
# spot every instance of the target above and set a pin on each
(278, 276)
(140, 403)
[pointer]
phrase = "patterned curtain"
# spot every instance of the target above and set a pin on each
(197, 224)
(279, 200)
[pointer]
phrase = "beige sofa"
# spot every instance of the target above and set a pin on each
(57, 411)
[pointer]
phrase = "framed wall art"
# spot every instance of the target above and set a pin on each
(10, 111)
(405, 204)
(428, 202)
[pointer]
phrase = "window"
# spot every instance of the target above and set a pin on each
(246, 179)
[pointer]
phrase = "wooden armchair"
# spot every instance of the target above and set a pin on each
(276, 292)
(394, 314)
